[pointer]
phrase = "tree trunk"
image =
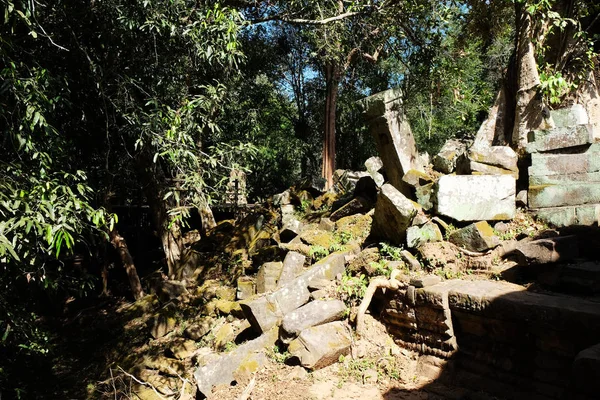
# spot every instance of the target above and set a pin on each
(120, 245)
(332, 77)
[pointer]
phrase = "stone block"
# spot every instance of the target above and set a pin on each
(445, 160)
(374, 165)
(290, 230)
(418, 235)
(570, 116)
(267, 276)
(240, 363)
(586, 371)
(476, 198)
(560, 217)
(322, 345)
(475, 237)
(436, 296)
(477, 168)
(586, 160)
(425, 281)
(540, 180)
(425, 196)
(315, 313)
(551, 250)
(559, 138)
(246, 288)
(498, 156)
(571, 194)
(416, 178)
(292, 267)
(393, 214)
(357, 205)
(393, 137)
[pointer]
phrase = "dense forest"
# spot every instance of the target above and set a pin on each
(121, 121)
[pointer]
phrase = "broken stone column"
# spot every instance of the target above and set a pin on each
(393, 214)
(393, 137)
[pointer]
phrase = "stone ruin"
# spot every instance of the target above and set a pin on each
(483, 334)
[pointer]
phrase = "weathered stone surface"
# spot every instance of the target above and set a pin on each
(425, 196)
(315, 185)
(345, 181)
(357, 205)
(393, 136)
(282, 199)
(410, 260)
(263, 313)
(362, 262)
(326, 225)
(476, 168)
(570, 116)
(246, 288)
(322, 345)
(287, 213)
(425, 281)
(393, 214)
(560, 138)
(290, 230)
(197, 331)
(436, 296)
(418, 235)
(586, 371)
(487, 197)
(543, 251)
(169, 290)
(499, 156)
(292, 267)
(163, 323)
(445, 160)
(374, 165)
(585, 161)
(560, 217)
(582, 277)
(315, 313)
(267, 276)
(592, 177)
(416, 178)
(542, 196)
(475, 237)
(239, 363)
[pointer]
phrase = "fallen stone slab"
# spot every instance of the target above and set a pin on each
(322, 345)
(477, 168)
(267, 311)
(416, 178)
(282, 199)
(315, 313)
(245, 360)
(393, 214)
(544, 251)
(571, 194)
(425, 196)
(293, 265)
(357, 205)
(345, 181)
(418, 235)
(410, 260)
(267, 276)
(477, 197)
(479, 236)
(585, 161)
(393, 136)
(559, 138)
(445, 160)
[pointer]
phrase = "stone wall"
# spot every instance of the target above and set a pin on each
(499, 337)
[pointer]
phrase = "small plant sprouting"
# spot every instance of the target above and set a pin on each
(318, 252)
(390, 252)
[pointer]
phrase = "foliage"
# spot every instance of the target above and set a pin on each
(318, 252)
(390, 252)
(352, 289)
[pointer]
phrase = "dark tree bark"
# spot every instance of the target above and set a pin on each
(332, 77)
(120, 245)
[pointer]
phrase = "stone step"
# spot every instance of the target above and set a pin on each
(584, 162)
(581, 277)
(559, 138)
(560, 217)
(544, 196)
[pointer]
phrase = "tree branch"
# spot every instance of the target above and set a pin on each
(302, 21)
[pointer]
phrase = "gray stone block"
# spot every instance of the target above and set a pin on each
(393, 214)
(543, 196)
(560, 138)
(315, 313)
(322, 345)
(476, 197)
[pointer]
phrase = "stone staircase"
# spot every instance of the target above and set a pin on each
(564, 176)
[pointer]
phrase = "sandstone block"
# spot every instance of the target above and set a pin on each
(560, 217)
(322, 345)
(488, 197)
(544, 251)
(357, 205)
(584, 161)
(570, 194)
(445, 160)
(374, 165)
(418, 235)
(560, 138)
(498, 156)
(569, 116)
(475, 237)
(246, 288)
(290, 230)
(393, 214)
(292, 267)
(267, 276)
(315, 313)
